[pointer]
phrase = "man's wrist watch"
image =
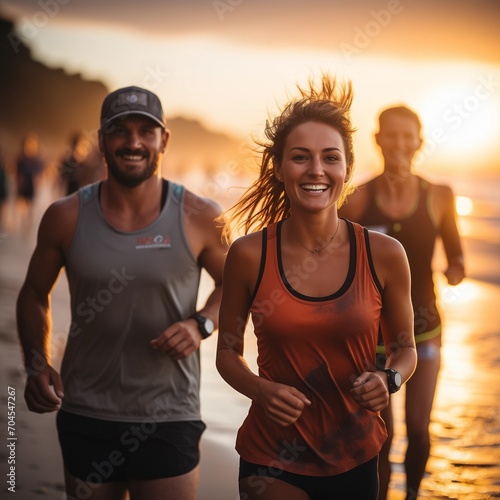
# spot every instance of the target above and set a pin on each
(205, 325)
(394, 380)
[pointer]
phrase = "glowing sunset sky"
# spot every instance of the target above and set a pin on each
(229, 62)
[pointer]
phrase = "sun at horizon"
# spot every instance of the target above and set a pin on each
(461, 123)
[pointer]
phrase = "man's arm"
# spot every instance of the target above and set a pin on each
(33, 307)
(212, 258)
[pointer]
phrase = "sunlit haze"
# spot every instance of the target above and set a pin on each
(230, 84)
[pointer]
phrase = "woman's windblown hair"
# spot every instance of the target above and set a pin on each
(265, 201)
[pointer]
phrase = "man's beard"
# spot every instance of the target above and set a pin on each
(127, 178)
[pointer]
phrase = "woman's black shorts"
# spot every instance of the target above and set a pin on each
(358, 483)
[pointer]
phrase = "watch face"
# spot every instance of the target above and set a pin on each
(394, 379)
(209, 325)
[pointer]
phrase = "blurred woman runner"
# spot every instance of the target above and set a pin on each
(316, 287)
(415, 212)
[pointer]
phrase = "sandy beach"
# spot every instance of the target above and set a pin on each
(465, 456)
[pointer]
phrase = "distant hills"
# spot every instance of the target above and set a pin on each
(54, 104)
(36, 98)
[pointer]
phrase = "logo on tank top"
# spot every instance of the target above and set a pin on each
(149, 242)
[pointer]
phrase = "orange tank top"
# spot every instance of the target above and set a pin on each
(318, 345)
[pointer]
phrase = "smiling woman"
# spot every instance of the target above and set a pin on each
(316, 290)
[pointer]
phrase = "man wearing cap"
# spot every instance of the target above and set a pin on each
(133, 246)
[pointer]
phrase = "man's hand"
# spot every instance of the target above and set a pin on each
(38, 394)
(179, 340)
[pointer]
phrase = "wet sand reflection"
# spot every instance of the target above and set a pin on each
(465, 427)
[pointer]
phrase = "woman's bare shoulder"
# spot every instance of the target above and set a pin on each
(248, 247)
(383, 245)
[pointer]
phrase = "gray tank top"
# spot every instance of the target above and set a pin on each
(126, 289)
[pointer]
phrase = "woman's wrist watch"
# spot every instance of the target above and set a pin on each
(205, 325)
(394, 380)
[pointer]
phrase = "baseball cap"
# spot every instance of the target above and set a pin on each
(131, 101)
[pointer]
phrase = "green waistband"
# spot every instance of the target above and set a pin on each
(420, 337)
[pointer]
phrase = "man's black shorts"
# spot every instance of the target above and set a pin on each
(100, 451)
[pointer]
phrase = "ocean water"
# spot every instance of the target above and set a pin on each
(465, 455)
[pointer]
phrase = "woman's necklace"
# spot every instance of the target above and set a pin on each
(318, 249)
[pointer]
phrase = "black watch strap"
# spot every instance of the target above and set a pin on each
(394, 380)
(205, 325)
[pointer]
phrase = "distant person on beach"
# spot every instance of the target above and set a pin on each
(4, 188)
(133, 247)
(80, 165)
(316, 287)
(416, 212)
(29, 168)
